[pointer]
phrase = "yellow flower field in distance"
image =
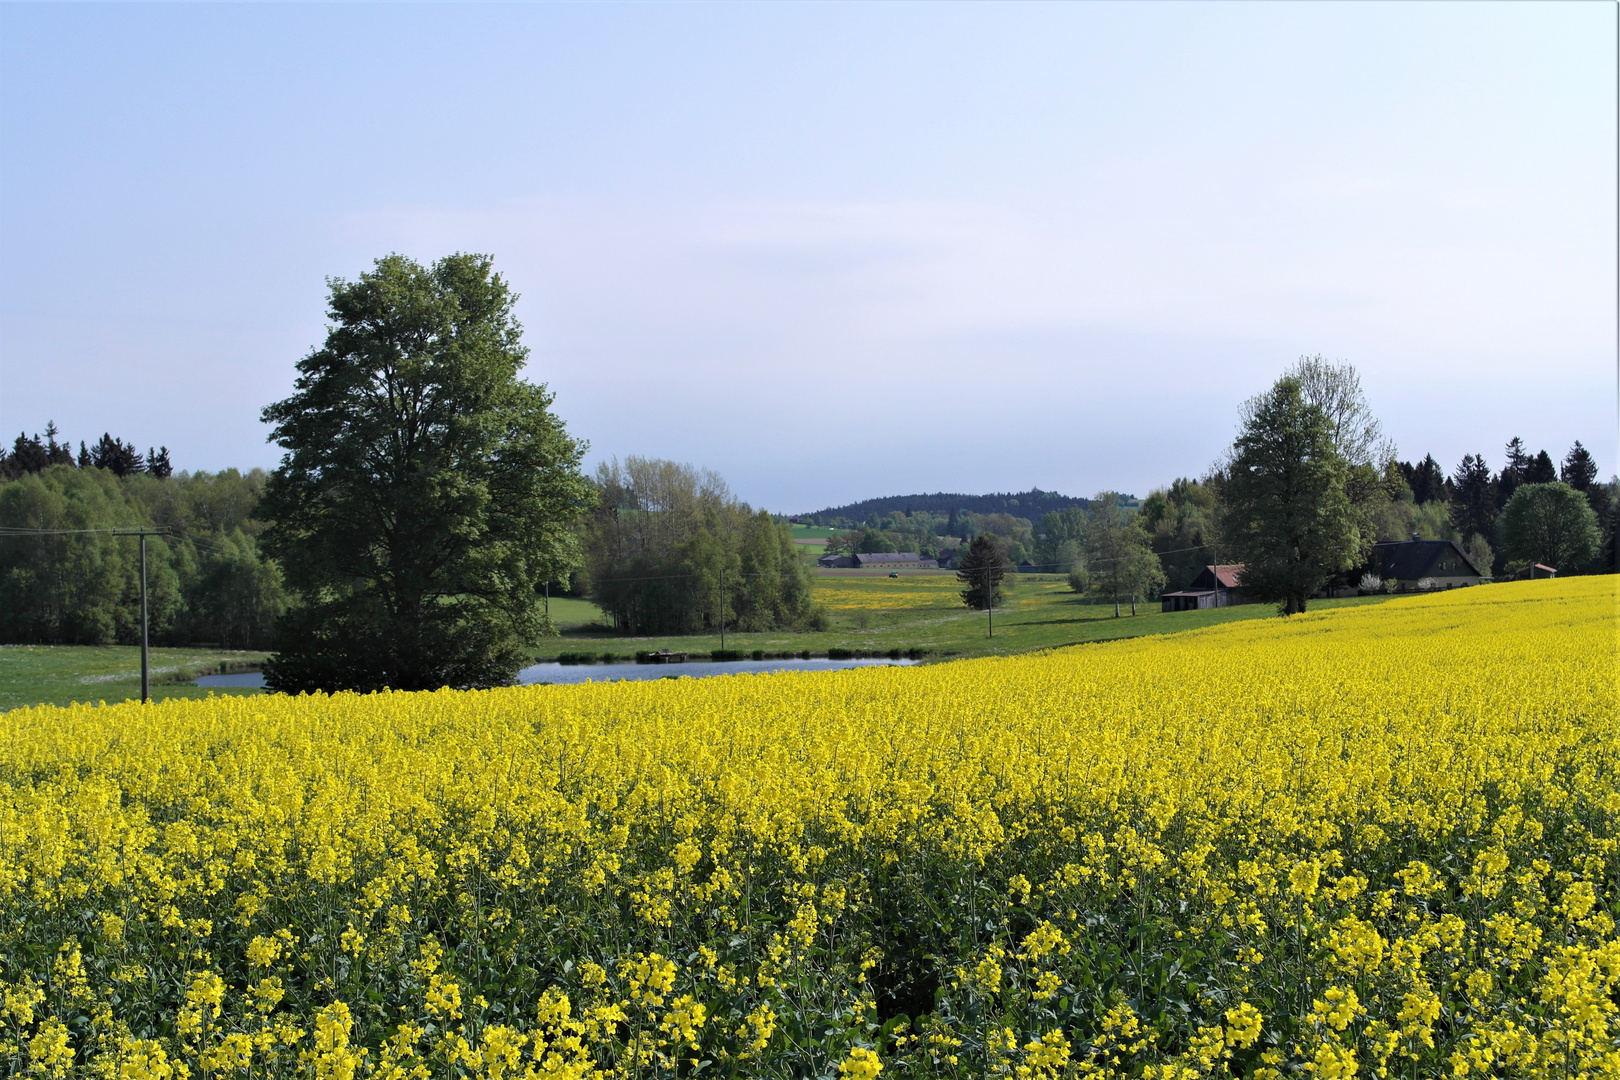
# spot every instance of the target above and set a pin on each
(1376, 841)
(911, 591)
(848, 593)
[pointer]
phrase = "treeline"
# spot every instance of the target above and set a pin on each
(1468, 506)
(1531, 511)
(1029, 505)
(669, 550)
(67, 578)
(1374, 496)
(33, 454)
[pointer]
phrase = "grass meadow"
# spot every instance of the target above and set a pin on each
(867, 610)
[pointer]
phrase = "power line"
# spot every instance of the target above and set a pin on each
(8, 530)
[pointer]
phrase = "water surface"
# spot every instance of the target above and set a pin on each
(578, 673)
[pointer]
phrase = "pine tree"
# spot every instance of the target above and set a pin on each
(56, 453)
(28, 455)
(1473, 506)
(1579, 469)
(1540, 470)
(982, 568)
(1513, 470)
(116, 457)
(1427, 480)
(157, 463)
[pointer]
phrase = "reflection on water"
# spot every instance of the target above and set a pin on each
(578, 673)
(246, 678)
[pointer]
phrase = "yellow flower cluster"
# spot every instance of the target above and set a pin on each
(1380, 841)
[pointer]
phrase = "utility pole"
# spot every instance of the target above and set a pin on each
(989, 601)
(146, 671)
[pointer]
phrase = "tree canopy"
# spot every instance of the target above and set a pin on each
(1119, 552)
(1550, 524)
(1288, 517)
(427, 492)
(208, 582)
(671, 551)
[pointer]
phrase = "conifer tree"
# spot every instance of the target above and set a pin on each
(157, 463)
(1579, 470)
(981, 569)
(116, 457)
(1517, 461)
(1473, 506)
(1427, 480)
(1540, 470)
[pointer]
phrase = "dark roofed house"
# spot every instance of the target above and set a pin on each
(1442, 563)
(835, 562)
(1216, 586)
(947, 556)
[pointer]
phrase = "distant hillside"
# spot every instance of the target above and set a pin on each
(1031, 504)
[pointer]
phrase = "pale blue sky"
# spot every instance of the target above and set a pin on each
(831, 250)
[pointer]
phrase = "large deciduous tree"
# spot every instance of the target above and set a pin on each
(1550, 524)
(1288, 517)
(1119, 552)
(1336, 390)
(427, 492)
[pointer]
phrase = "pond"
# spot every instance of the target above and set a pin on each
(578, 673)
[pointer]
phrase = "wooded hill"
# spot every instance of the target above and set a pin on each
(1031, 505)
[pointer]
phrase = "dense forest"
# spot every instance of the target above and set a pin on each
(67, 577)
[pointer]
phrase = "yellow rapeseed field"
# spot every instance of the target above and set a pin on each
(1378, 841)
(912, 591)
(943, 591)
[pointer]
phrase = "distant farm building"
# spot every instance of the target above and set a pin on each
(1542, 570)
(836, 562)
(1216, 586)
(947, 558)
(895, 560)
(1442, 564)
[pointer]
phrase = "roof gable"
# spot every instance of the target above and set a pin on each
(1406, 560)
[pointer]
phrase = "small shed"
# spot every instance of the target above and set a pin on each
(1542, 570)
(1215, 586)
